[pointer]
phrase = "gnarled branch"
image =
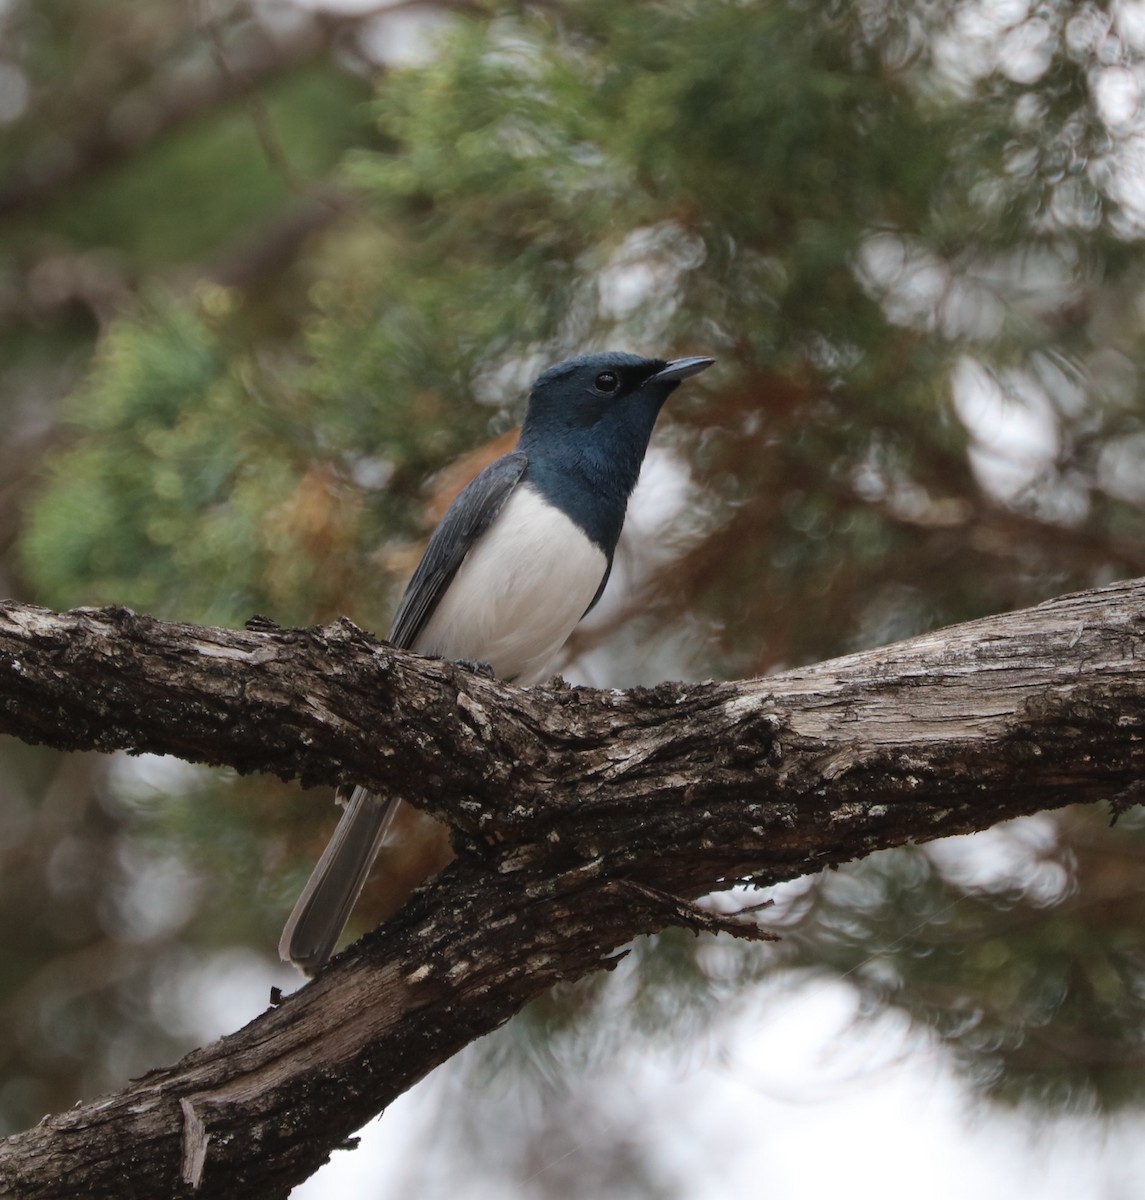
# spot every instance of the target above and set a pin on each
(581, 819)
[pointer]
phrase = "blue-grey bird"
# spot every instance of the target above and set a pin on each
(523, 553)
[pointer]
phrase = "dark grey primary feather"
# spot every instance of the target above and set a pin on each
(323, 909)
(467, 519)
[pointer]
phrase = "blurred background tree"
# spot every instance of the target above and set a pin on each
(266, 268)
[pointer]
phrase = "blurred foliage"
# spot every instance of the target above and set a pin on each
(135, 179)
(912, 235)
(1018, 948)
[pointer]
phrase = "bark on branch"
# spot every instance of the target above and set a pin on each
(581, 818)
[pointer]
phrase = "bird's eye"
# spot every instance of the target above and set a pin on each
(607, 381)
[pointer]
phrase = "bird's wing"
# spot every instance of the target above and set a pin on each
(467, 519)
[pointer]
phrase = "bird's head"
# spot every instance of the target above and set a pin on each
(587, 428)
(612, 392)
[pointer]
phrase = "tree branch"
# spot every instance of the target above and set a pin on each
(581, 820)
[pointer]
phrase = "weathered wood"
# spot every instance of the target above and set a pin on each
(582, 819)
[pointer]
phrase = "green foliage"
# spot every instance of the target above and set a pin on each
(1033, 974)
(215, 169)
(203, 484)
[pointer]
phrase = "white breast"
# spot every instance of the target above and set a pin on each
(519, 592)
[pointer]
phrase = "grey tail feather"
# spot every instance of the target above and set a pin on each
(323, 909)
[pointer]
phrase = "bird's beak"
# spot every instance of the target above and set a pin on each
(681, 368)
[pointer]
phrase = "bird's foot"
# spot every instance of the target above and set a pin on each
(478, 668)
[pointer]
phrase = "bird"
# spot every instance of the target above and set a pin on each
(521, 555)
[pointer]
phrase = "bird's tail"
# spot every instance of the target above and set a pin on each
(336, 881)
